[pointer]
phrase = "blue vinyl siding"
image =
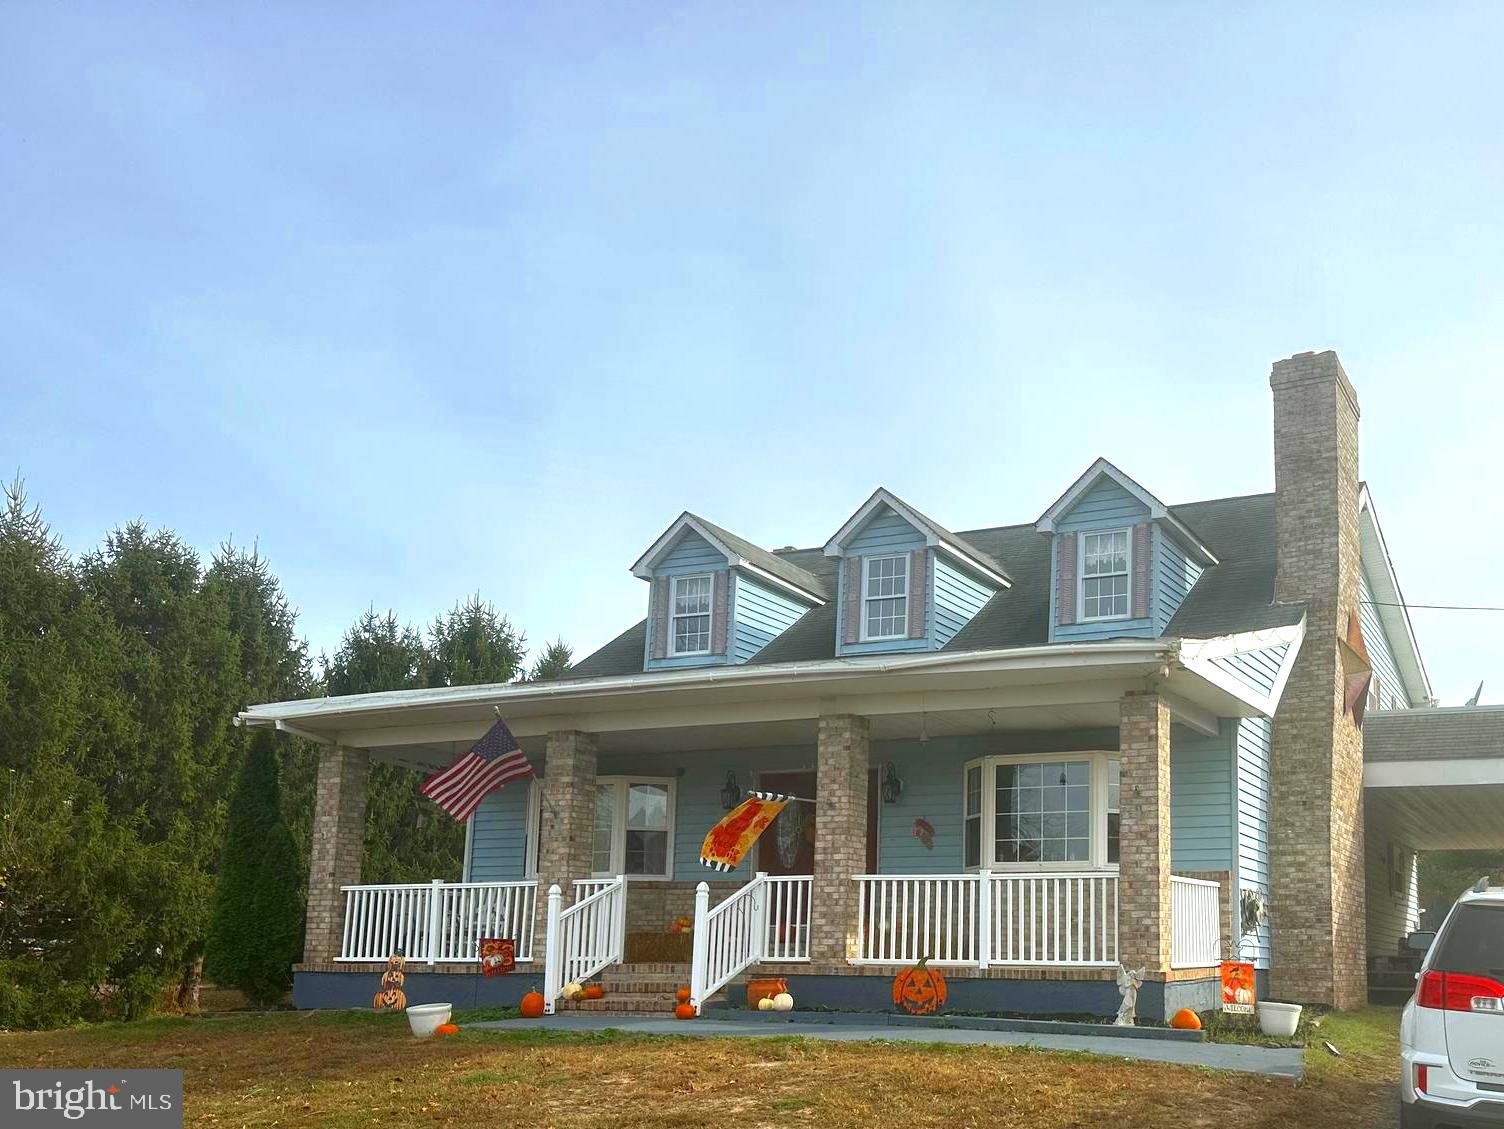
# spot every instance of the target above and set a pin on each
(1175, 575)
(759, 614)
(1258, 669)
(1105, 505)
(1380, 653)
(885, 532)
(1201, 799)
(955, 598)
(691, 553)
(497, 841)
(1253, 739)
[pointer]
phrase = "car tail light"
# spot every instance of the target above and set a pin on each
(1458, 991)
(1420, 1078)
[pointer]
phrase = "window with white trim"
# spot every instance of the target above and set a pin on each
(1057, 810)
(885, 598)
(1105, 562)
(634, 827)
(689, 628)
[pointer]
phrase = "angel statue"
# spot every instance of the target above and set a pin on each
(1128, 984)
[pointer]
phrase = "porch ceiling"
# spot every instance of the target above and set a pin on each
(1445, 817)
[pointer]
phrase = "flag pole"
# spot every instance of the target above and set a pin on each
(543, 794)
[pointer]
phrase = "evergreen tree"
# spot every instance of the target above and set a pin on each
(472, 645)
(255, 933)
(552, 663)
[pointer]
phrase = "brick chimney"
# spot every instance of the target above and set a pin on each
(1316, 832)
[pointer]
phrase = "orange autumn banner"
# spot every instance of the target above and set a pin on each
(728, 842)
(1239, 987)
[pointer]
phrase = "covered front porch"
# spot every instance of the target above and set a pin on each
(1012, 821)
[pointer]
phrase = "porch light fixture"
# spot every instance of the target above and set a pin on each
(731, 793)
(892, 787)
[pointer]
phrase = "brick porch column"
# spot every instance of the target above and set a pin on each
(339, 827)
(1144, 868)
(568, 820)
(840, 835)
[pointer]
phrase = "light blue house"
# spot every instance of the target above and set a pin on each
(1034, 751)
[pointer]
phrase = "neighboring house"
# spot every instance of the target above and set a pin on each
(1112, 734)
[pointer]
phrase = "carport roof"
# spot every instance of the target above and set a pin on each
(1451, 733)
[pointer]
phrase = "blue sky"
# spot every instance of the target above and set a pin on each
(442, 299)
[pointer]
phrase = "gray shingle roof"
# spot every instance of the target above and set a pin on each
(1233, 596)
(1434, 734)
(782, 566)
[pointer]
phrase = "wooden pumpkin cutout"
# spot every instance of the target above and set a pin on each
(919, 990)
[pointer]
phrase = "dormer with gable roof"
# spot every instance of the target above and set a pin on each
(1121, 561)
(904, 582)
(715, 598)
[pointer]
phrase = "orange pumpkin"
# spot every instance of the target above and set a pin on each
(919, 990)
(682, 995)
(1185, 1020)
(684, 1011)
(594, 991)
(532, 1005)
(446, 1029)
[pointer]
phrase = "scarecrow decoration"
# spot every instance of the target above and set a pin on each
(390, 996)
(728, 842)
(1357, 670)
(919, 990)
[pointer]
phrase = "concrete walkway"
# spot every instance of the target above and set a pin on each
(1280, 1062)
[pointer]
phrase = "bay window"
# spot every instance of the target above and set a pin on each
(634, 827)
(1055, 810)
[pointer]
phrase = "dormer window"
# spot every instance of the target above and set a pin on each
(689, 633)
(1105, 568)
(885, 598)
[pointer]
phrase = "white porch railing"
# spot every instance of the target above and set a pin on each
(1195, 922)
(983, 919)
(436, 921)
(583, 939)
(767, 919)
(584, 887)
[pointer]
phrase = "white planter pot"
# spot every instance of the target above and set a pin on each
(1278, 1020)
(423, 1018)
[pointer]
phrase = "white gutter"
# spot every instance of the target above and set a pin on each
(1042, 657)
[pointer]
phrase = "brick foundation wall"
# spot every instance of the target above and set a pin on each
(1316, 832)
(1144, 867)
(840, 834)
(334, 849)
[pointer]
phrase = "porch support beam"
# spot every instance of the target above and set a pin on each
(568, 818)
(1194, 717)
(842, 755)
(335, 843)
(1144, 870)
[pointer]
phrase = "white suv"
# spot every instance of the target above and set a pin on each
(1452, 1030)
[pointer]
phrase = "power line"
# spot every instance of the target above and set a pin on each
(1433, 607)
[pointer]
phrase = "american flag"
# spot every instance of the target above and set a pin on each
(488, 764)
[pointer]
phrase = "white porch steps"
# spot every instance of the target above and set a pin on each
(635, 989)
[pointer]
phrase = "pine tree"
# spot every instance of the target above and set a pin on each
(552, 663)
(255, 932)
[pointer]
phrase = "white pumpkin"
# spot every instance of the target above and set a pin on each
(1243, 996)
(783, 1002)
(765, 1004)
(573, 991)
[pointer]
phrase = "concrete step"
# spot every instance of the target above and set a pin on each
(665, 968)
(665, 987)
(626, 1004)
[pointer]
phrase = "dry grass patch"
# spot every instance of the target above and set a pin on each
(355, 1070)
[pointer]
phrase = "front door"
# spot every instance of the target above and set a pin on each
(788, 847)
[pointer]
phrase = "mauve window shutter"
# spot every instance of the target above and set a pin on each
(719, 588)
(659, 620)
(919, 579)
(1065, 578)
(853, 610)
(1141, 562)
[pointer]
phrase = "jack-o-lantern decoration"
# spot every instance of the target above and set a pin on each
(390, 996)
(919, 990)
(532, 1006)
